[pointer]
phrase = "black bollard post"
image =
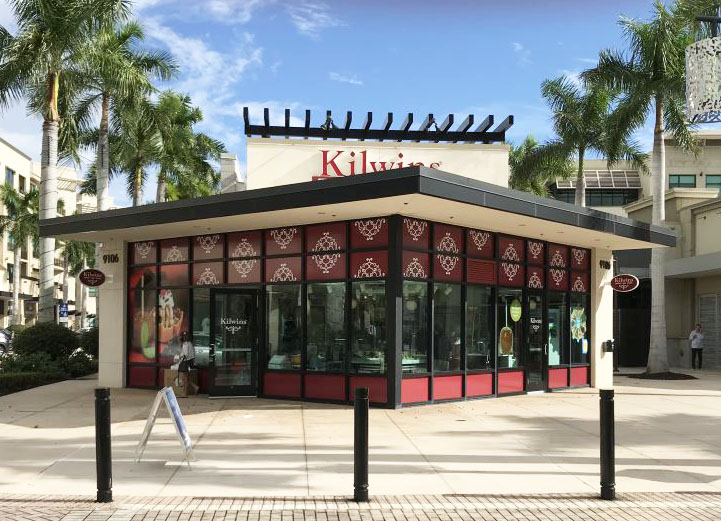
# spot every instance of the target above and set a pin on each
(608, 442)
(103, 458)
(360, 446)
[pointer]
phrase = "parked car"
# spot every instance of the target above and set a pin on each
(5, 341)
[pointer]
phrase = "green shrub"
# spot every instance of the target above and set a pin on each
(79, 364)
(15, 382)
(31, 363)
(55, 340)
(16, 328)
(90, 341)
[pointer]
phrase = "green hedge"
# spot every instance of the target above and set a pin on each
(15, 382)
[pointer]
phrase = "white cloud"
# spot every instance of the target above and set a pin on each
(311, 17)
(589, 61)
(574, 76)
(523, 55)
(345, 78)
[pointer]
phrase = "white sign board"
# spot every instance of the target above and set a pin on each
(166, 395)
(273, 162)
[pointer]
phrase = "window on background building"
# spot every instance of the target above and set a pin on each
(11, 243)
(580, 348)
(415, 323)
(447, 327)
(284, 322)
(10, 272)
(9, 176)
(21, 184)
(23, 269)
(509, 327)
(557, 330)
(33, 186)
(368, 318)
(681, 181)
(479, 327)
(201, 326)
(713, 181)
(326, 327)
(24, 251)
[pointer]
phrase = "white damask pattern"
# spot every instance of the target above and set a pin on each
(703, 89)
(534, 281)
(244, 267)
(557, 276)
(448, 263)
(244, 249)
(326, 261)
(536, 249)
(578, 285)
(369, 269)
(207, 242)
(174, 255)
(448, 244)
(415, 228)
(479, 238)
(370, 227)
(510, 253)
(207, 278)
(510, 269)
(415, 270)
(579, 255)
(557, 260)
(283, 274)
(283, 236)
(143, 249)
(326, 242)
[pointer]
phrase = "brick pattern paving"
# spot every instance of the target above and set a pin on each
(699, 506)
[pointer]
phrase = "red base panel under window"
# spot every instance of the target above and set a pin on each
(479, 384)
(414, 390)
(281, 384)
(510, 382)
(325, 386)
(447, 387)
(203, 380)
(141, 376)
(377, 387)
(579, 376)
(557, 378)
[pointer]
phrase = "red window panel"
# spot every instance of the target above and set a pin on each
(283, 269)
(282, 384)
(144, 252)
(282, 241)
(510, 382)
(325, 237)
(480, 243)
(447, 387)
(244, 244)
(579, 282)
(369, 233)
(244, 271)
(580, 258)
(174, 275)
(479, 384)
(325, 387)
(416, 265)
(534, 277)
(139, 376)
(325, 266)
(557, 378)
(144, 277)
(174, 250)
(480, 272)
(580, 376)
(416, 233)
(511, 249)
(535, 251)
(557, 278)
(208, 273)
(557, 256)
(377, 387)
(447, 238)
(510, 274)
(414, 390)
(369, 264)
(447, 267)
(208, 247)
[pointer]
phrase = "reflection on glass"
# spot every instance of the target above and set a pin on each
(201, 327)
(142, 311)
(415, 321)
(447, 327)
(557, 330)
(535, 340)
(283, 313)
(235, 335)
(479, 327)
(368, 316)
(173, 319)
(326, 327)
(509, 312)
(580, 345)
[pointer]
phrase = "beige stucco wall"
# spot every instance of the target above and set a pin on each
(111, 370)
(707, 221)
(601, 320)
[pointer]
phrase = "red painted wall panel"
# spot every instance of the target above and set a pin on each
(557, 378)
(483, 272)
(377, 387)
(447, 387)
(579, 376)
(325, 386)
(479, 384)
(510, 382)
(141, 376)
(281, 384)
(414, 390)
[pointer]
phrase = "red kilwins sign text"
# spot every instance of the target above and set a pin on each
(340, 163)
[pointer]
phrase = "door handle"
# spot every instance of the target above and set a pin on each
(545, 349)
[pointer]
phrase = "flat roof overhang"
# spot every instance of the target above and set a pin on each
(415, 192)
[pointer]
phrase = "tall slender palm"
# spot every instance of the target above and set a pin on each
(651, 76)
(77, 256)
(41, 62)
(531, 170)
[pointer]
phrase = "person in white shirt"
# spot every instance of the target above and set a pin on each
(696, 338)
(187, 351)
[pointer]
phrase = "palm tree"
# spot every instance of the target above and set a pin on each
(21, 225)
(41, 62)
(77, 256)
(532, 170)
(651, 77)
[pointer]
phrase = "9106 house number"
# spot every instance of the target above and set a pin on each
(111, 258)
(604, 264)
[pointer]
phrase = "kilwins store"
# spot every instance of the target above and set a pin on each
(392, 257)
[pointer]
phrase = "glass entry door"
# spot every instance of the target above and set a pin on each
(234, 342)
(536, 346)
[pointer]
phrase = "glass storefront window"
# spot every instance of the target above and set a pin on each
(479, 327)
(326, 327)
(415, 332)
(509, 328)
(201, 327)
(368, 318)
(557, 330)
(173, 319)
(143, 308)
(580, 344)
(283, 314)
(447, 327)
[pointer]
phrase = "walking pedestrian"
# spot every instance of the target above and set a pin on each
(696, 338)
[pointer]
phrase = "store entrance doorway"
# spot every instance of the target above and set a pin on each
(536, 345)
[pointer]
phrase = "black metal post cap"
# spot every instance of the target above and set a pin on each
(606, 394)
(102, 392)
(361, 392)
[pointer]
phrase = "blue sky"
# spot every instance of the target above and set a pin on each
(460, 56)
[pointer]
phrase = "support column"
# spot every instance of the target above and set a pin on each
(601, 315)
(113, 321)
(394, 310)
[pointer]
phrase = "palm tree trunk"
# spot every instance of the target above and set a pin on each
(48, 210)
(658, 353)
(66, 273)
(580, 181)
(15, 319)
(138, 185)
(102, 162)
(84, 301)
(162, 189)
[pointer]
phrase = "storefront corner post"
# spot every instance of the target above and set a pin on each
(394, 310)
(113, 309)
(601, 318)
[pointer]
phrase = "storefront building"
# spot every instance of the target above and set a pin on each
(422, 285)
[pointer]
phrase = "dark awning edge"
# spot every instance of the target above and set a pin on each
(406, 181)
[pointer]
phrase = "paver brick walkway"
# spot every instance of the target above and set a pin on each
(679, 506)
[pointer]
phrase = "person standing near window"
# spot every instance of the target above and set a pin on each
(696, 338)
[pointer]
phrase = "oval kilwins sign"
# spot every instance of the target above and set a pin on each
(624, 283)
(92, 277)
